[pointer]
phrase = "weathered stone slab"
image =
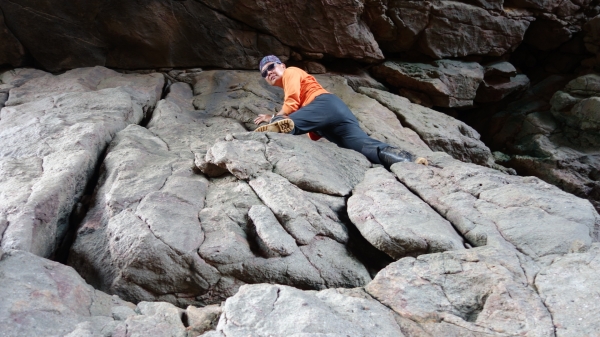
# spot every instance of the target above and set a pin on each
(440, 131)
(448, 83)
(396, 221)
(285, 311)
(313, 166)
(491, 208)
(496, 90)
(270, 232)
(480, 291)
(53, 131)
(569, 288)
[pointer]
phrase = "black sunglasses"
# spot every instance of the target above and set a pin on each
(270, 67)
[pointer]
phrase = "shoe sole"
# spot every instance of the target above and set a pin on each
(422, 161)
(282, 126)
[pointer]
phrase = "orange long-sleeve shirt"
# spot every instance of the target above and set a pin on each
(299, 89)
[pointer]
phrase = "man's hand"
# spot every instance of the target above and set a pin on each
(262, 118)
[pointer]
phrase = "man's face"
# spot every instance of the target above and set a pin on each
(274, 73)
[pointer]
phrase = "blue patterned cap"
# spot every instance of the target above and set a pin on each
(267, 59)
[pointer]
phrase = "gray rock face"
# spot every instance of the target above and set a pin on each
(396, 221)
(491, 208)
(161, 231)
(340, 31)
(440, 131)
(447, 83)
(481, 291)
(53, 130)
(495, 90)
(569, 289)
(285, 311)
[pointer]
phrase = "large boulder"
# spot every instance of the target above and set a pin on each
(53, 131)
(129, 35)
(491, 208)
(569, 288)
(447, 83)
(500, 80)
(475, 292)
(284, 311)
(396, 221)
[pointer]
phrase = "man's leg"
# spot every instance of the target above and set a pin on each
(347, 133)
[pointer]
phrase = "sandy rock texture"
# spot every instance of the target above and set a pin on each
(53, 131)
(552, 133)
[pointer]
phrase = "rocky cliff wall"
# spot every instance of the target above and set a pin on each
(173, 219)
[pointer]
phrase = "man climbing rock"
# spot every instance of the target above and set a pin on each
(308, 108)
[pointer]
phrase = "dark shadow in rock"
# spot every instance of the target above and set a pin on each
(365, 252)
(80, 210)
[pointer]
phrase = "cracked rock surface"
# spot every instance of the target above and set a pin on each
(53, 130)
(480, 291)
(569, 288)
(396, 221)
(491, 208)
(447, 83)
(161, 231)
